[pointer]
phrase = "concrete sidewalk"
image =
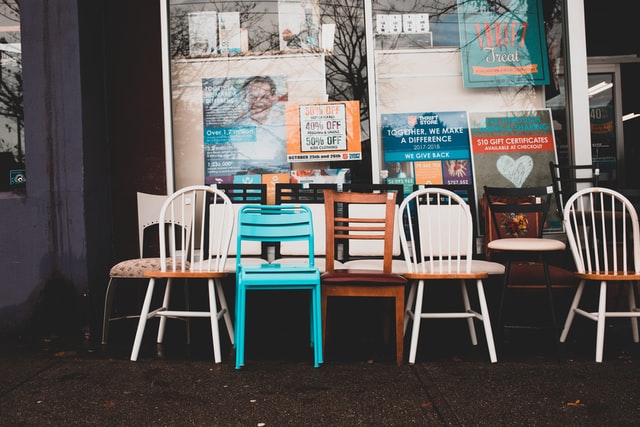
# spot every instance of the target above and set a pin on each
(52, 383)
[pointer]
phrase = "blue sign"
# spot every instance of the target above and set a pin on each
(502, 44)
(411, 137)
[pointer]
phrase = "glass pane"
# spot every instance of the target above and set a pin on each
(236, 67)
(316, 52)
(603, 125)
(12, 167)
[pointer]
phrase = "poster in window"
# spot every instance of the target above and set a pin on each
(502, 43)
(299, 24)
(244, 127)
(513, 149)
(426, 148)
(323, 131)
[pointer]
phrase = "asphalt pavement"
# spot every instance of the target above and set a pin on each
(55, 381)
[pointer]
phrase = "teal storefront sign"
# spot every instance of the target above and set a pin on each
(502, 44)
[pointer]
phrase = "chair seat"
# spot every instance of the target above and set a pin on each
(133, 268)
(363, 277)
(608, 275)
(532, 244)
(477, 266)
(397, 266)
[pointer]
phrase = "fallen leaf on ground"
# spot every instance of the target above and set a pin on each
(65, 354)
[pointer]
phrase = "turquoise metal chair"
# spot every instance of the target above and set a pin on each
(270, 224)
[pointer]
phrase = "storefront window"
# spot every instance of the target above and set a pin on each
(12, 167)
(262, 91)
(240, 71)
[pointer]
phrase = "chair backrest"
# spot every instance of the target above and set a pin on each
(468, 195)
(567, 179)
(345, 221)
(518, 212)
(245, 193)
(312, 196)
(149, 206)
(209, 217)
(358, 249)
(435, 225)
(275, 223)
(602, 231)
(308, 193)
(376, 188)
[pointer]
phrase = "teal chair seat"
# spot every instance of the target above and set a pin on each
(270, 224)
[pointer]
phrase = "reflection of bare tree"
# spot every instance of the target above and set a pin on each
(347, 67)
(263, 35)
(11, 80)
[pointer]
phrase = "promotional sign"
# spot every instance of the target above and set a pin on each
(513, 149)
(327, 131)
(502, 44)
(244, 127)
(426, 148)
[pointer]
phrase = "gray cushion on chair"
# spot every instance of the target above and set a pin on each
(137, 267)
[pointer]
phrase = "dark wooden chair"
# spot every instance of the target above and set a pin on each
(370, 217)
(518, 216)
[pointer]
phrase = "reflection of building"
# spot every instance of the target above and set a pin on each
(203, 30)
(11, 132)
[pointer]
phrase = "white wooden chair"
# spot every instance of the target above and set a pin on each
(199, 254)
(436, 234)
(604, 238)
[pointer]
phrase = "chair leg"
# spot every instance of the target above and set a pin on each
(312, 326)
(165, 306)
(633, 307)
(224, 309)
(503, 296)
(408, 313)
(417, 319)
(324, 320)
(572, 311)
(467, 309)
(317, 325)
(399, 313)
(484, 310)
(241, 296)
(213, 317)
(187, 320)
(602, 318)
(552, 307)
(142, 321)
(108, 302)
